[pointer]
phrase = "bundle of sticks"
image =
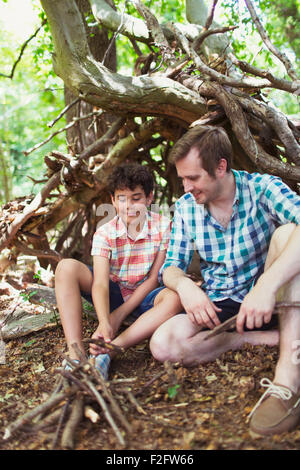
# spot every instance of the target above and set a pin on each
(77, 393)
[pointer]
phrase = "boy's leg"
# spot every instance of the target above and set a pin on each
(72, 277)
(166, 304)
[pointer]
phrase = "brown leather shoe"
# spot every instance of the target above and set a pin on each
(277, 411)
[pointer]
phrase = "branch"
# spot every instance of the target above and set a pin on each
(22, 51)
(210, 16)
(64, 111)
(93, 82)
(134, 28)
(29, 210)
(157, 32)
(255, 152)
(62, 129)
(263, 34)
(277, 121)
(223, 79)
(51, 254)
(199, 40)
(275, 82)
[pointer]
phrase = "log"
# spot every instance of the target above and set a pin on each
(18, 321)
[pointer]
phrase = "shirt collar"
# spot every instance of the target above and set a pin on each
(149, 228)
(238, 187)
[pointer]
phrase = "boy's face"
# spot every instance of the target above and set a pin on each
(131, 205)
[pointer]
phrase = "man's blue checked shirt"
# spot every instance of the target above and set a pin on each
(230, 258)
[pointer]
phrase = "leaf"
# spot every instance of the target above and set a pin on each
(172, 391)
(211, 378)
(39, 368)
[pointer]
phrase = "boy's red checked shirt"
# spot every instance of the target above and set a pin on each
(131, 260)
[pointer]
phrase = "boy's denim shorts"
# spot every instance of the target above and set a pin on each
(116, 299)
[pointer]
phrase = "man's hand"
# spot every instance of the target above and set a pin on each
(104, 331)
(198, 306)
(257, 307)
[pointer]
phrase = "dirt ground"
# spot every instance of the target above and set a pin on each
(201, 408)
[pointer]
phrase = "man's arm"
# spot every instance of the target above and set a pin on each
(259, 303)
(198, 306)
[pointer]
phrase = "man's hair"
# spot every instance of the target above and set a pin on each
(212, 144)
(130, 175)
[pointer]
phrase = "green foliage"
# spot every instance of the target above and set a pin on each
(27, 103)
(35, 95)
(276, 18)
(172, 391)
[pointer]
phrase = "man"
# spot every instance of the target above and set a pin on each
(240, 224)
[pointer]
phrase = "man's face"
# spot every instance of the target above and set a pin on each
(131, 205)
(196, 180)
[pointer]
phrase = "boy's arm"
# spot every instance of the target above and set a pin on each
(100, 295)
(140, 293)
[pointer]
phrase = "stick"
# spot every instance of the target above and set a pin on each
(105, 389)
(25, 419)
(134, 401)
(51, 123)
(106, 412)
(150, 382)
(67, 440)
(230, 323)
(60, 422)
(101, 342)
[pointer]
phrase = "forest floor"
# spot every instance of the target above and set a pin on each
(206, 408)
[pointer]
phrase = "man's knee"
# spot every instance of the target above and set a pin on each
(161, 344)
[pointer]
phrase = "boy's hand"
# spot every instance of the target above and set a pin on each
(104, 331)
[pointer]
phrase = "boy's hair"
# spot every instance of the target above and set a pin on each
(130, 175)
(212, 144)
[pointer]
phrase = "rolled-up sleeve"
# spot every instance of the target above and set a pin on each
(101, 246)
(284, 204)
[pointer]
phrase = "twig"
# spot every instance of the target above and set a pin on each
(101, 342)
(106, 411)
(210, 16)
(49, 420)
(230, 323)
(105, 389)
(67, 440)
(66, 109)
(150, 382)
(25, 419)
(22, 51)
(29, 210)
(62, 129)
(223, 79)
(134, 401)
(60, 422)
(263, 34)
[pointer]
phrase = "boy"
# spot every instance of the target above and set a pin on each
(128, 252)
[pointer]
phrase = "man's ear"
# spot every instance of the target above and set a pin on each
(222, 167)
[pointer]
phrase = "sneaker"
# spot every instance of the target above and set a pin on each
(102, 363)
(277, 411)
(67, 366)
